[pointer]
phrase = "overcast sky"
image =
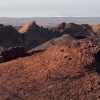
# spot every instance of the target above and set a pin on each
(50, 8)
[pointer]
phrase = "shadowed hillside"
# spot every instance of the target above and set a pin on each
(31, 35)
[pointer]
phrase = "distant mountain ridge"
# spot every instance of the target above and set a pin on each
(31, 35)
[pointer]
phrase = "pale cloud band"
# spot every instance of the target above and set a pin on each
(31, 8)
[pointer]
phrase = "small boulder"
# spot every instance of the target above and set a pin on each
(13, 53)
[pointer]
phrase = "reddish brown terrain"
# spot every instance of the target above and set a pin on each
(62, 72)
(62, 63)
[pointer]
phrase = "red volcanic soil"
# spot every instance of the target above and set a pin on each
(62, 72)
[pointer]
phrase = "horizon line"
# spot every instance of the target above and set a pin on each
(53, 16)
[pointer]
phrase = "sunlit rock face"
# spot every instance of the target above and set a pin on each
(34, 35)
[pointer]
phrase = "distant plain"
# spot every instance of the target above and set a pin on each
(49, 21)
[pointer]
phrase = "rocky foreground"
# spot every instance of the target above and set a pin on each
(64, 66)
(62, 72)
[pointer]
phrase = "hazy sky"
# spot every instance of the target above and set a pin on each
(41, 8)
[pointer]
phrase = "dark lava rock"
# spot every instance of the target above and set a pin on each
(13, 53)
